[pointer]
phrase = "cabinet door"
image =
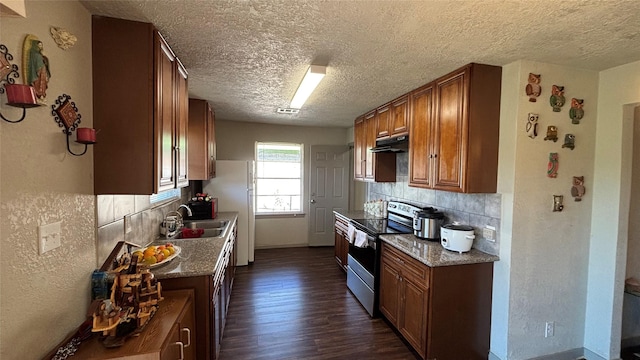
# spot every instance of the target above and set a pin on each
(413, 315)
(211, 142)
(217, 323)
(359, 149)
(370, 142)
(398, 116)
(201, 140)
(382, 122)
(420, 152)
(188, 332)
(171, 350)
(337, 250)
(165, 119)
(182, 127)
(450, 131)
(389, 303)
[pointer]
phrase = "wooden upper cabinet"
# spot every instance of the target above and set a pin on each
(399, 116)
(382, 122)
(182, 126)
(370, 166)
(421, 110)
(359, 148)
(165, 112)
(202, 142)
(138, 95)
(459, 116)
(370, 125)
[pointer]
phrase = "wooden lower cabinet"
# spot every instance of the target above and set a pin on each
(341, 248)
(170, 335)
(443, 312)
(212, 295)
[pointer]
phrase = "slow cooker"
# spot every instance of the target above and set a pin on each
(457, 237)
(426, 224)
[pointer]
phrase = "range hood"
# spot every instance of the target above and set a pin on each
(397, 144)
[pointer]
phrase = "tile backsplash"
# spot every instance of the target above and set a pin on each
(145, 219)
(477, 210)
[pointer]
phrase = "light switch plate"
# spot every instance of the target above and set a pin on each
(49, 237)
(489, 233)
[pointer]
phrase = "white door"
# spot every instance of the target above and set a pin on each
(328, 190)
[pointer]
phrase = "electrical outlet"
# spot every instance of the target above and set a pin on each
(49, 237)
(549, 329)
(127, 224)
(489, 233)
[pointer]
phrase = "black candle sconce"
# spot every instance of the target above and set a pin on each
(66, 115)
(18, 95)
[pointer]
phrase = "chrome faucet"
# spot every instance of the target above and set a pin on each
(189, 213)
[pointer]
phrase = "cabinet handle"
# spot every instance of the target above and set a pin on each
(400, 261)
(188, 336)
(435, 155)
(179, 343)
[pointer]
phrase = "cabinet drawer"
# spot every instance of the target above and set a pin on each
(408, 266)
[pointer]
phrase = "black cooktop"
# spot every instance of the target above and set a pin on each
(380, 226)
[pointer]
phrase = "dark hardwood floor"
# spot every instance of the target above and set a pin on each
(294, 304)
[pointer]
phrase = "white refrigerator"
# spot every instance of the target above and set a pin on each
(233, 186)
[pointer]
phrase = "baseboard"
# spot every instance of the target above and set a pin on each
(280, 246)
(573, 354)
(629, 342)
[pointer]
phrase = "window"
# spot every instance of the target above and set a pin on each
(278, 178)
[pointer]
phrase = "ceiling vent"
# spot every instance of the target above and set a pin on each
(289, 111)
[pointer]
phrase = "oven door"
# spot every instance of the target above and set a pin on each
(365, 256)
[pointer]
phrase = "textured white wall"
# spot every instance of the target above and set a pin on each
(44, 297)
(619, 91)
(506, 175)
(547, 251)
(633, 250)
(236, 141)
(631, 304)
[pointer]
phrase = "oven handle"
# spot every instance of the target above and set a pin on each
(371, 242)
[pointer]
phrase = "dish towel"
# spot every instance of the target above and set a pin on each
(361, 239)
(351, 233)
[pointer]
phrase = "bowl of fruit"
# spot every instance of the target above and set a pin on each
(156, 255)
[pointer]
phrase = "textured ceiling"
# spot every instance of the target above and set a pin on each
(248, 57)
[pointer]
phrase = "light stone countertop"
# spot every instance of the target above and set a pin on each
(198, 257)
(432, 254)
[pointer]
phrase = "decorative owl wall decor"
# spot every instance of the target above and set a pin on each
(576, 113)
(552, 133)
(552, 168)
(569, 141)
(533, 88)
(557, 97)
(532, 125)
(577, 190)
(557, 202)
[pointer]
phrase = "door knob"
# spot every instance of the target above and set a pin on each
(313, 201)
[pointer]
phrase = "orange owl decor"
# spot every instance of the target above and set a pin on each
(533, 88)
(552, 168)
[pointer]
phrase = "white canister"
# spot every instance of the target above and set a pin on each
(457, 237)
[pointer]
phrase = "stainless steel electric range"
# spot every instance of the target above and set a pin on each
(363, 263)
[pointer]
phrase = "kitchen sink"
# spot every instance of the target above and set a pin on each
(210, 227)
(206, 224)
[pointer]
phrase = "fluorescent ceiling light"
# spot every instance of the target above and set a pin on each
(309, 82)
